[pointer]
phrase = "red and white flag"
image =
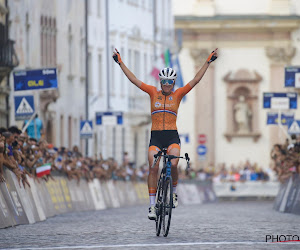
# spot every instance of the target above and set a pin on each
(43, 170)
(158, 65)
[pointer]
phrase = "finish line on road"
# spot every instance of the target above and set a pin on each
(160, 245)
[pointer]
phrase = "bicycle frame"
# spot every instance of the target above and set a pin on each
(163, 204)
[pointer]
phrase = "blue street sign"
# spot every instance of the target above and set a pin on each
(280, 100)
(272, 118)
(292, 76)
(35, 79)
(201, 150)
(24, 107)
(294, 127)
(86, 129)
(109, 118)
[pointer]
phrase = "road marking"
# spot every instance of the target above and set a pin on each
(160, 245)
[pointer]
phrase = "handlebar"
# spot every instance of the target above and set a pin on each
(170, 157)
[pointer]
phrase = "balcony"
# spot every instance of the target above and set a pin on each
(8, 57)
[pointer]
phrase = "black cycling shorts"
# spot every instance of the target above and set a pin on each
(164, 138)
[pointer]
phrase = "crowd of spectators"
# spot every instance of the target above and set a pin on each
(286, 158)
(221, 173)
(23, 156)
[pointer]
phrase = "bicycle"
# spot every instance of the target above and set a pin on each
(164, 193)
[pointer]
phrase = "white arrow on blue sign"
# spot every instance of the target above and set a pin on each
(202, 150)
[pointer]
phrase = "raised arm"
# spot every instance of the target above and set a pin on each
(127, 72)
(213, 56)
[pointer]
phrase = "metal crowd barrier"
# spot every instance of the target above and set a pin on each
(19, 205)
(288, 197)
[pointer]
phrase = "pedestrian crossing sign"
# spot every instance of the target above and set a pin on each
(294, 127)
(24, 107)
(86, 129)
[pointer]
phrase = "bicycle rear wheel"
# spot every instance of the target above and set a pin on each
(158, 205)
(167, 205)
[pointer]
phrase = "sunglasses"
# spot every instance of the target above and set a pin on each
(167, 82)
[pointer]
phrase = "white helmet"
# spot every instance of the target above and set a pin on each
(167, 73)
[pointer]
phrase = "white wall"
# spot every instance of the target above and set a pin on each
(186, 111)
(240, 149)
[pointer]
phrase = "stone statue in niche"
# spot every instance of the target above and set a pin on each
(242, 115)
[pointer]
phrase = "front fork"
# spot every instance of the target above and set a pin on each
(166, 173)
(168, 169)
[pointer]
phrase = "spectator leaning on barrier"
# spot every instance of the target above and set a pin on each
(33, 156)
(8, 159)
(2, 149)
(20, 159)
(286, 159)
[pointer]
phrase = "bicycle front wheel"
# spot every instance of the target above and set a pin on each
(167, 205)
(159, 205)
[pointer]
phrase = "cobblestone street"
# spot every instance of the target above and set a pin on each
(223, 225)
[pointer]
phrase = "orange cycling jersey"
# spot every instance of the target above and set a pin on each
(164, 108)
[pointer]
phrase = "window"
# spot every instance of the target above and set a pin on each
(100, 74)
(89, 3)
(99, 8)
(75, 128)
(69, 5)
(70, 131)
(90, 73)
(82, 50)
(27, 40)
(114, 142)
(123, 77)
(48, 41)
(131, 85)
(54, 42)
(70, 49)
(137, 69)
(112, 75)
(61, 130)
(151, 3)
(145, 73)
(137, 64)
(42, 42)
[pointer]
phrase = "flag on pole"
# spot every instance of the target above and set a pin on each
(43, 170)
(168, 58)
(176, 65)
(158, 65)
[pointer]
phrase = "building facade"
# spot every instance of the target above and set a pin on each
(50, 34)
(141, 31)
(256, 40)
(8, 61)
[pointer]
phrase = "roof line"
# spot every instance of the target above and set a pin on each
(235, 17)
